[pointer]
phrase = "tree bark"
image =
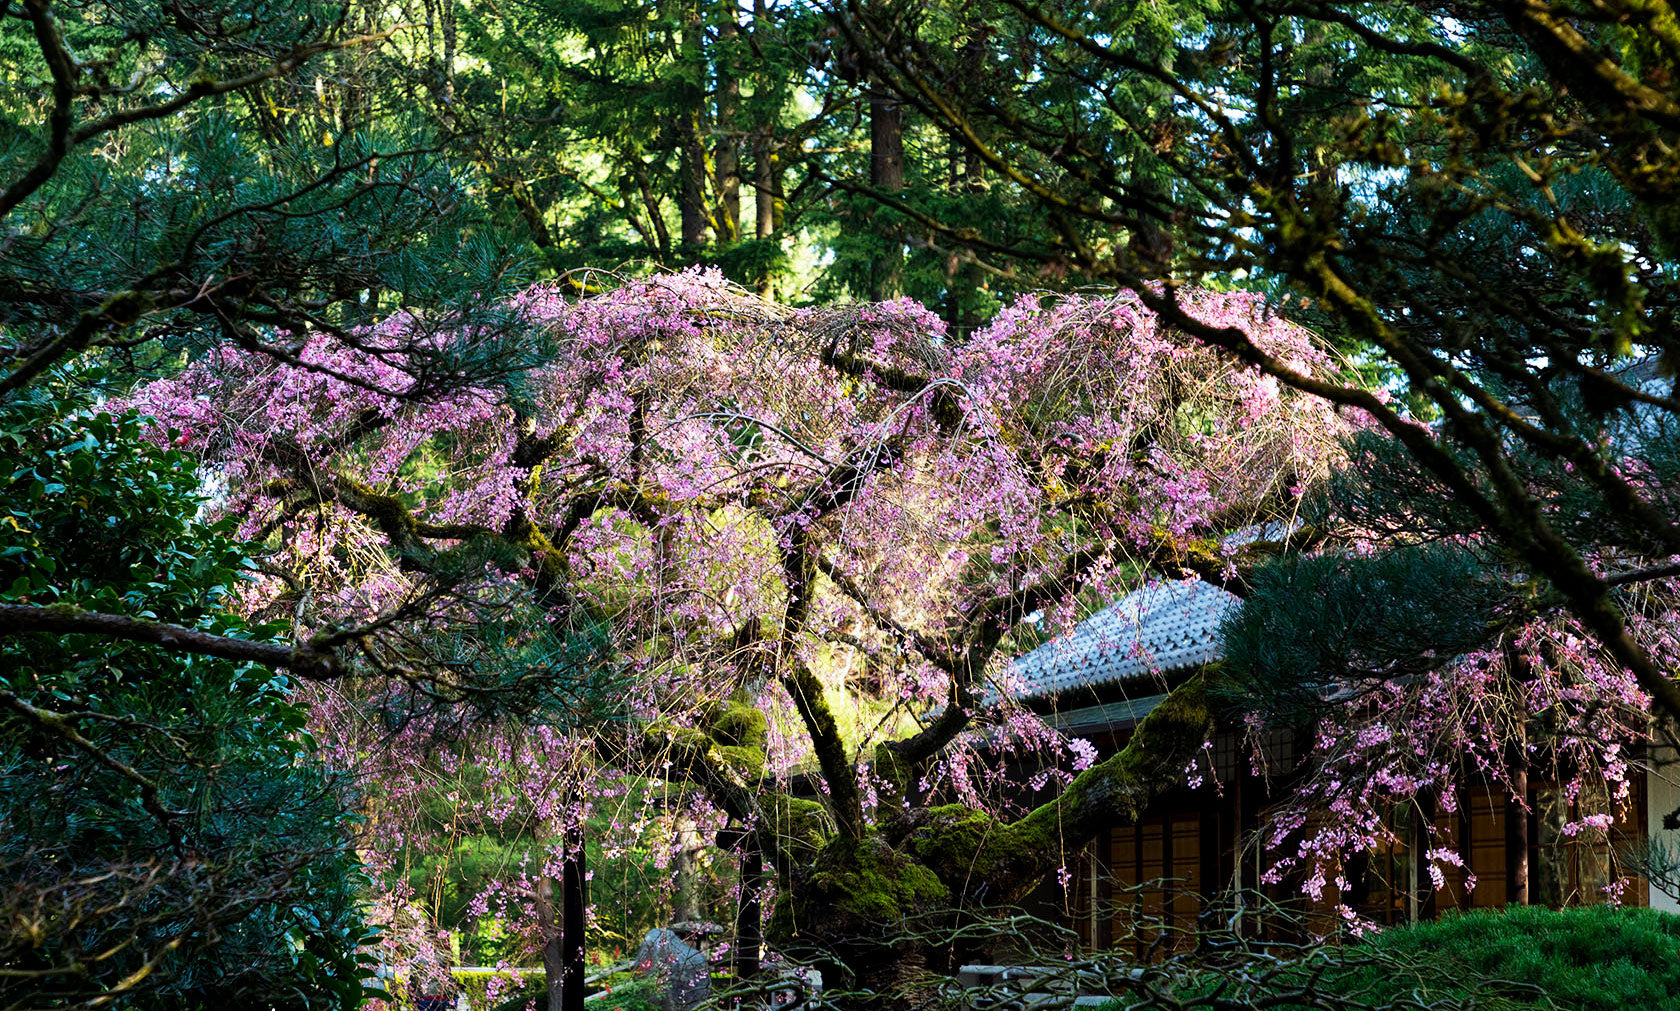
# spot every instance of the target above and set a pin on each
(749, 914)
(886, 141)
(563, 954)
(651, 202)
(692, 195)
(1516, 804)
(764, 198)
(62, 619)
(764, 183)
(553, 956)
(963, 273)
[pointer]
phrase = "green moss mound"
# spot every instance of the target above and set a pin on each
(872, 881)
(855, 894)
(803, 825)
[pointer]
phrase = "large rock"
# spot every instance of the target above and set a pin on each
(679, 965)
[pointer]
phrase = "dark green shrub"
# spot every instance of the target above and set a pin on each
(169, 835)
(1526, 959)
(1582, 959)
(637, 995)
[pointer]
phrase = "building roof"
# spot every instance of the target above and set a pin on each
(1162, 628)
(1108, 718)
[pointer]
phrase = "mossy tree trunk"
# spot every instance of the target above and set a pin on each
(864, 901)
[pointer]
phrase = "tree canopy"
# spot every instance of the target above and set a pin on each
(745, 499)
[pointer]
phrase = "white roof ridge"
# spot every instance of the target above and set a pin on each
(1157, 629)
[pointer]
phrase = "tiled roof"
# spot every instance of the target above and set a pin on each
(1159, 629)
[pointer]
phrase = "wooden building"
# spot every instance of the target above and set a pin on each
(1202, 853)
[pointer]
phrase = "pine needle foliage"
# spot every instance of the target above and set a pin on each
(1318, 629)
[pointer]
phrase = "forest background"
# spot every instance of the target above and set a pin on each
(1469, 205)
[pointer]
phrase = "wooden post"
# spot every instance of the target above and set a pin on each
(1169, 890)
(573, 903)
(1414, 865)
(1137, 885)
(1102, 873)
(1466, 841)
(1518, 808)
(1211, 850)
(1424, 887)
(749, 914)
(1516, 834)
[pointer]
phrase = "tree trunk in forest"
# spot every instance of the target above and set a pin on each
(749, 914)
(727, 158)
(563, 954)
(1517, 811)
(764, 183)
(691, 148)
(651, 202)
(963, 276)
(886, 141)
(691, 197)
(449, 45)
(1150, 243)
(553, 957)
(764, 198)
(767, 210)
(886, 175)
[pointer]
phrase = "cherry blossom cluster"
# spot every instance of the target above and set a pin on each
(1545, 702)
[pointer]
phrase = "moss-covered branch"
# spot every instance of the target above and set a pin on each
(979, 855)
(727, 759)
(806, 690)
(310, 661)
